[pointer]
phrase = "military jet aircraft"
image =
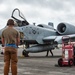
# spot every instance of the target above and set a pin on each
(39, 38)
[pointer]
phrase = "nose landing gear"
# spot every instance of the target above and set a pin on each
(25, 53)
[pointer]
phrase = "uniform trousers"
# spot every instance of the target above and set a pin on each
(10, 59)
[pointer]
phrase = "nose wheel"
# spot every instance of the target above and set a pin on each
(25, 53)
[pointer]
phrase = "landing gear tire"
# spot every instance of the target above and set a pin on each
(70, 62)
(25, 53)
(60, 62)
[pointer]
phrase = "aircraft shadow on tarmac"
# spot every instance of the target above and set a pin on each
(57, 56)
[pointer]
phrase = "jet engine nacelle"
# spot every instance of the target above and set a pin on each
(65, 29)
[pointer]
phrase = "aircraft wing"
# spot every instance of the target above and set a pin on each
(49, 38)
(59, 38)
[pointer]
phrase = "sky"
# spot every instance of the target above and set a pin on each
(39, 11)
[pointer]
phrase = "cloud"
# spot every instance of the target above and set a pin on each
(40, 11)
(1, 1)
(51, 4)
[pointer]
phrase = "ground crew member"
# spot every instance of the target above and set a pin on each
(10, 40)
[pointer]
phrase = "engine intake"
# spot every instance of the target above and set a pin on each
(65, 29)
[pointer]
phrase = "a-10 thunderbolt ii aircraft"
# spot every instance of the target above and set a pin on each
(42, 37)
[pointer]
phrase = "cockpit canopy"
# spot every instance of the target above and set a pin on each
(19, 18)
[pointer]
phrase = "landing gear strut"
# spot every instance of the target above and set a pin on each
(24, 52)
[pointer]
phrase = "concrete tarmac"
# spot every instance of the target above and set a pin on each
(38, 64)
